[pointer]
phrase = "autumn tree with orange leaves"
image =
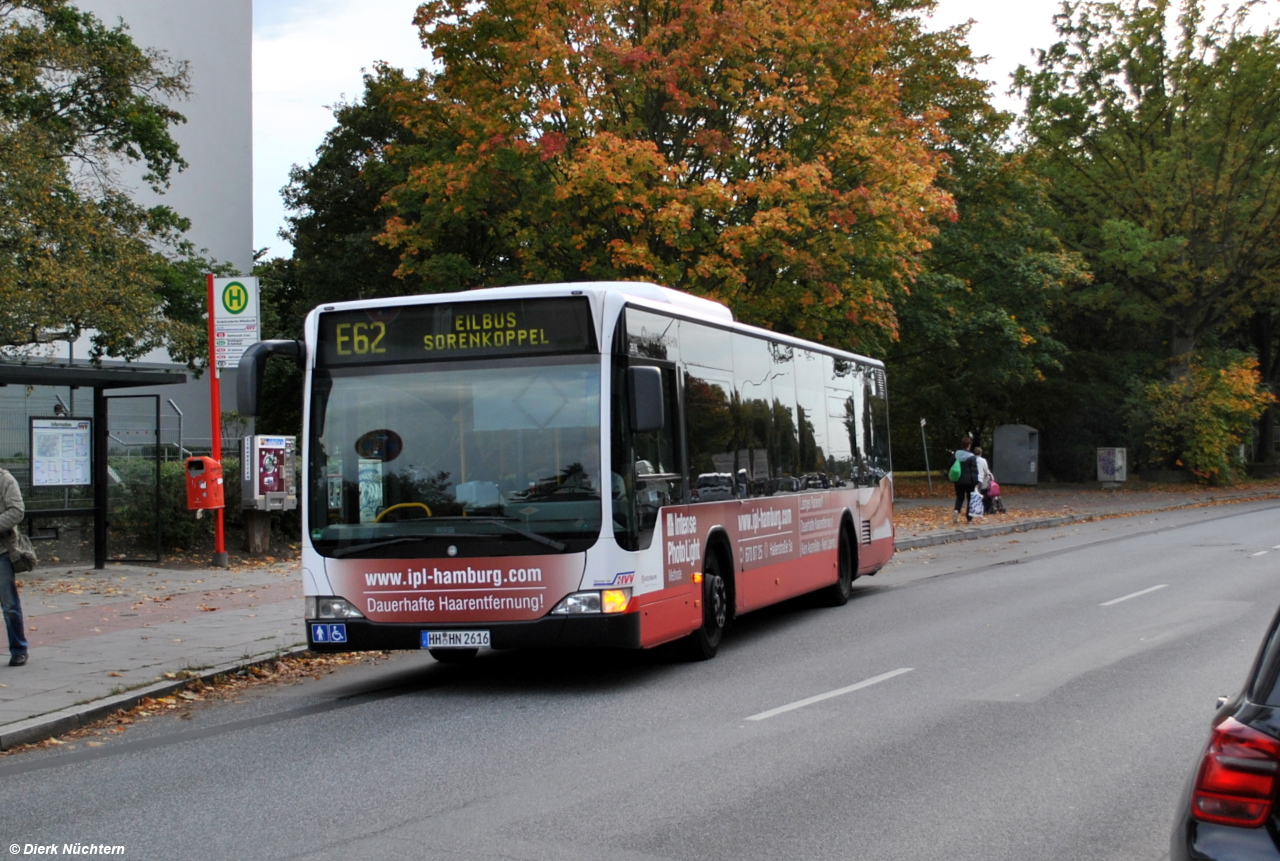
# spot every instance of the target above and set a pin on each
(758, 153)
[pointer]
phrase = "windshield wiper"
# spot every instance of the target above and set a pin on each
(532, 536)
(524, 533)
(347, 551)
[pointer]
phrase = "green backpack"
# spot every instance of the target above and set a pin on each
(953, 474)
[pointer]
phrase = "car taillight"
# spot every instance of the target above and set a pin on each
(1237, 778)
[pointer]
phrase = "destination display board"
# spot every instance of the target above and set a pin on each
(459, 330)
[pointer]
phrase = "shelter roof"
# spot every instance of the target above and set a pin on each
(88, 375)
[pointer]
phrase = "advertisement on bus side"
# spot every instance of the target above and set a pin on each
(773, 530)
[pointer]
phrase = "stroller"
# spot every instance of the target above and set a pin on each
(993, 503)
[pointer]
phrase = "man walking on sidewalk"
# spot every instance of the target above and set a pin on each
(11, 514)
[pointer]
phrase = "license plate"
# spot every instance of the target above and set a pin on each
(455, 639)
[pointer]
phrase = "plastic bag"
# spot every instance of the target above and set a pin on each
(976, 507)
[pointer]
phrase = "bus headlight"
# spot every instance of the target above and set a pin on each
(608, 601)
(328, 607)
(577, 604)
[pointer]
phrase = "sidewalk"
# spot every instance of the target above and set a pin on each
(924, 521)
(102, 640)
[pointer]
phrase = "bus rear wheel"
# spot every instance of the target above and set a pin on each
(839, 592)
(453, 656)
(703, 643)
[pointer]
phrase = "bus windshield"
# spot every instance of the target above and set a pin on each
(476, 458)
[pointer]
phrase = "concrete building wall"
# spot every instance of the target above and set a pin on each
(216, 189)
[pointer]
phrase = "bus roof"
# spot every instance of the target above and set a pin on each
(651, 295)
(638, 289)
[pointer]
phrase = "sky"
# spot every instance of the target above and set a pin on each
(308, 55)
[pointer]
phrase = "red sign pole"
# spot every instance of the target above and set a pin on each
(215, 424)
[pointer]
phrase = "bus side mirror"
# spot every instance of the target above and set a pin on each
(644, 390)
(252, 364)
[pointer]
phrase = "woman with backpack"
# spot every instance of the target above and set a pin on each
(967, 480)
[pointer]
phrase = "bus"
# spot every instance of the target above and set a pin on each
(606, 464)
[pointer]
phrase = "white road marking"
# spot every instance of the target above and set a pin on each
(1275, 547)
(1134, 595)
(866, 683)
(1259, 553)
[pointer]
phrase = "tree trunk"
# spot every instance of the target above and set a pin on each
(1266, 447)
(1181, 345)
(1262, 332)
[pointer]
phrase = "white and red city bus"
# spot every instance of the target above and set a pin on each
(596, 464)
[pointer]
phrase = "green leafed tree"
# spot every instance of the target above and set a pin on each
(1159, 130)
(334, 203)
(978, 326)
(77, 100)
(976, 333)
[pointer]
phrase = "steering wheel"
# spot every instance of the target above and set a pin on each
(392, 508)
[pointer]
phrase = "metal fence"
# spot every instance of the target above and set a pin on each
(133, 438)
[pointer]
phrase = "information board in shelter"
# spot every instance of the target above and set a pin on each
(60, 452)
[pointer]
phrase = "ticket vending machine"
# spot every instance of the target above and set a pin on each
(269, 474)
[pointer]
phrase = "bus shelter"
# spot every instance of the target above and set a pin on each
(99, 379)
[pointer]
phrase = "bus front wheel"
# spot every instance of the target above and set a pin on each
(703, 643)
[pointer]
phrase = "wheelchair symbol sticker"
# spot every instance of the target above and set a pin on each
(328, 633)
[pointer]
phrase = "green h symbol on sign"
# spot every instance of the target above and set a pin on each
(235, 297)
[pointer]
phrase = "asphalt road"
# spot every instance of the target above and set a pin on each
(1036, 696)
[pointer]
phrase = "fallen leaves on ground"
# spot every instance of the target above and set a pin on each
(914, 485)
(1039, 502)
(913, 521)
(84, 584)
(236, 560)
(288, 670)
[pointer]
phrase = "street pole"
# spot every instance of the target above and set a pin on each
(925, 441)
(220, 559)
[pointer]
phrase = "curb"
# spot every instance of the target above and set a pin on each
(971, 534)
(56, 723)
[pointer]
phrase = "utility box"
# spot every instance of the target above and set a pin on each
(1112, 464)
(204, 483)
(269, 476)
(1017, 454)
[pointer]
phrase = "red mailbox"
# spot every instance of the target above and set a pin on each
(204, 483)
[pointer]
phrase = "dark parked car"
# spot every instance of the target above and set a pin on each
(1228, 810)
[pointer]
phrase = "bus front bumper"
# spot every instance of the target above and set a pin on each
(620, 631)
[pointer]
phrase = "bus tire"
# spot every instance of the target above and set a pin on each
(453, 656)
(703, 643)
(839, 592)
